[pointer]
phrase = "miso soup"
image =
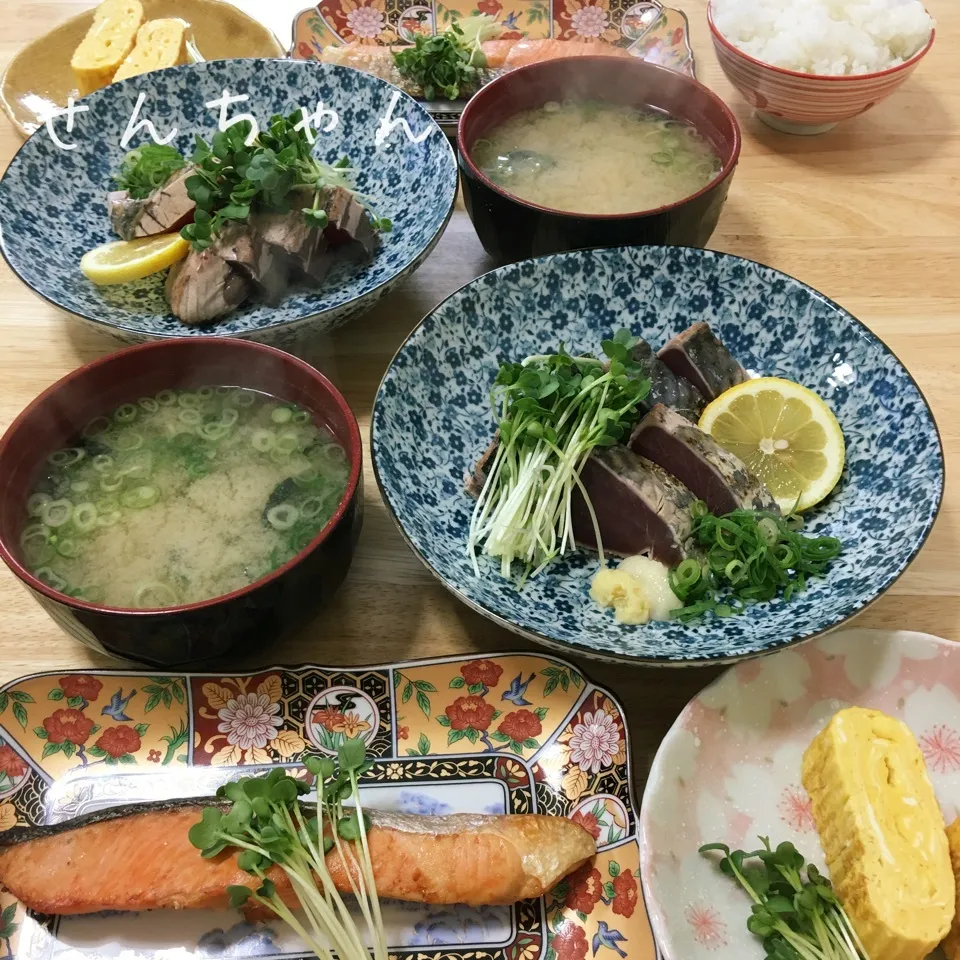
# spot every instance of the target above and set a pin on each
(181, 497)
(596, 158)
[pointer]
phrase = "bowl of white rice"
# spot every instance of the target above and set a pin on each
(805, 65)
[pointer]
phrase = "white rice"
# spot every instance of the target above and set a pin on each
(827, 37)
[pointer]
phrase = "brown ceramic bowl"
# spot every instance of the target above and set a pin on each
(39, 75)
(513, 229)
(214, 631)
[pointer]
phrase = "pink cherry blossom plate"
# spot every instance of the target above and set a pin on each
(647, 28)
(514, 733)
(729, 770)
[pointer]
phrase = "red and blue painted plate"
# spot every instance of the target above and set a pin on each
(510, 734)
(647, 28)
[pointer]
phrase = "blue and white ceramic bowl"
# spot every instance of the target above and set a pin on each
(431, 421)
(52, 201)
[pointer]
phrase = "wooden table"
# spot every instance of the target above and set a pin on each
(869, 214)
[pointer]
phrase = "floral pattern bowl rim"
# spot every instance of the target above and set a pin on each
(728, 770)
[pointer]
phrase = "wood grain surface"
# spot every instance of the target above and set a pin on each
(868, 213)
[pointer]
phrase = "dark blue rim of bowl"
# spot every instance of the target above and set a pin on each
(582, 650)
(726, 171)
(401, 272)
(356, 470)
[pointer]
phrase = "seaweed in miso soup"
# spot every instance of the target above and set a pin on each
(181, 497)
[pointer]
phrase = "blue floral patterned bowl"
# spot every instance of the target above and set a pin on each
(52, 201)
(431, 421)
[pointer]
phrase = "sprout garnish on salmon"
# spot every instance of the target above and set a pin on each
(447, 64)
(267, 822)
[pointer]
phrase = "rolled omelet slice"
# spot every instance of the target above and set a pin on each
(882, 832)
(951, 946)
(160, 44)
(108, 41)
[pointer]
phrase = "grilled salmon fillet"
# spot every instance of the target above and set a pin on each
(498, 55)
(139, 858)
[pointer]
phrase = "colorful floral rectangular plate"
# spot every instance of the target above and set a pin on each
(511, 734)
(729, 770)
(646, 28)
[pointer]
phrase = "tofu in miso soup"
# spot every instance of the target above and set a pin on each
(181, 497)
(596, 158)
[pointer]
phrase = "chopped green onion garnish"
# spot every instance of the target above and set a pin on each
(311, 507)
(140, 497)
(68, 548)
(128, 441)
(56, 513)
(50, 578)
(263, 440)
(751, 557)
(35, 503)
(283, 516)
(66, 458)
(211, 431)
(155, 595)
(84, 517)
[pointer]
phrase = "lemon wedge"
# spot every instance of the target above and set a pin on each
(785, 434)
(124, 260)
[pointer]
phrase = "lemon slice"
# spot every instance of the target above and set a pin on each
(785, 434)
(124, 260)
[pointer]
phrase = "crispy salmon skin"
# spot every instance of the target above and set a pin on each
(139, 857)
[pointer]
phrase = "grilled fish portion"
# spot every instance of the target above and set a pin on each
(640, 508)
(204, 287)
(167, 209)
(699, 357)
(715, 475)
(499, 56)
(665, 386)
(139, 857)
